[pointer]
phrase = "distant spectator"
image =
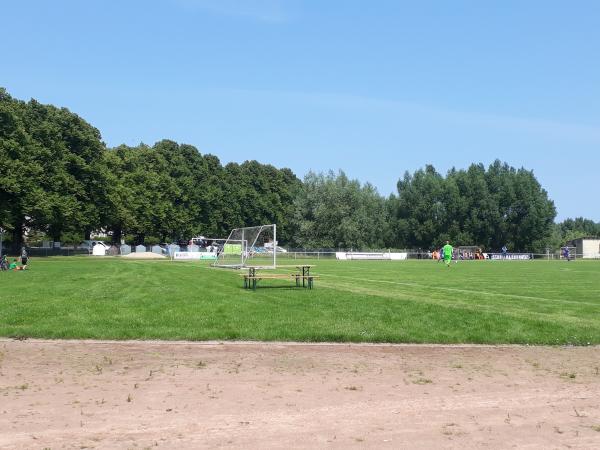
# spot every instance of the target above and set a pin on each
(504, 251)
(24, 259)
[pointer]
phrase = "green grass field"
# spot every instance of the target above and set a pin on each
(496, 302)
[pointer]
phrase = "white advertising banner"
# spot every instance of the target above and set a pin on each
(194, 255)
(370, 256)
(510, 256)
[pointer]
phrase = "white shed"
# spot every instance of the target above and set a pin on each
(587, 247)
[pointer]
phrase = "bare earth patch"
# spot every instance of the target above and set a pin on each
(74, 394)
(143, 255)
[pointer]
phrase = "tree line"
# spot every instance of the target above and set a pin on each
(58, 180)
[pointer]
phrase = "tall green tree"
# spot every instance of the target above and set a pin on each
(51, 169)
(579, 227)
(525, 213)
(490, 208)
(333, 211)
(421, 210)
(150, 193)
(18, 169)
(258, 194)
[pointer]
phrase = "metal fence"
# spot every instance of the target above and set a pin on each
(55, 251)
(420, 255)
(290, 254)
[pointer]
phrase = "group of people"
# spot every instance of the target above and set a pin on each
(477, 254)
(16, 264)
(447, 253)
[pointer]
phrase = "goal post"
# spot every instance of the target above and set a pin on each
(249, 246)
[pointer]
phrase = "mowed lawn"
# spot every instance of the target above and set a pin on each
(534, 302)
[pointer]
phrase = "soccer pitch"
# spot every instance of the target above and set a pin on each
(493, 302)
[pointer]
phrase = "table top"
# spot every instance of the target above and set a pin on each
(279, 266)
(296, 265)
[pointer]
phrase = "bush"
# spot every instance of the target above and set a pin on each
(107, 239)
(34, 238)
(151, 240)
(71, 238)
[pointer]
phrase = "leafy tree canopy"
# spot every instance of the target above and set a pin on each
(59, 179)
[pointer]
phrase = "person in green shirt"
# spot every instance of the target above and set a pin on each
(447, 249)
(13, 265)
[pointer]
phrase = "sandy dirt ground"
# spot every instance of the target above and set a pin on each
(80, 394)
(143, 255)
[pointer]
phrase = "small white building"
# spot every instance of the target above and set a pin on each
(587, 247)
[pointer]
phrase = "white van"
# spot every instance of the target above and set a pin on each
(269, 248)
(90, 244)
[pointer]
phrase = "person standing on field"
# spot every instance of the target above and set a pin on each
(24, 258)
(447, 251)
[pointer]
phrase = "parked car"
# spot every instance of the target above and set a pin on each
(269, 248)
(89, 245)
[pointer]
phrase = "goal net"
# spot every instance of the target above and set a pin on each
(249, 246)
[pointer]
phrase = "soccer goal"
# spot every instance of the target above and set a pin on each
(570, 251)
(249, 246)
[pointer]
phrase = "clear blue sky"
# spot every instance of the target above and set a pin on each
(373, 88)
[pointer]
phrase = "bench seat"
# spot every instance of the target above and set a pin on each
(250, 281)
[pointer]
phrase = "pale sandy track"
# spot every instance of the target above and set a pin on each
(89, 394)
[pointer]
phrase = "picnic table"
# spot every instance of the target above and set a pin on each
(302, 273)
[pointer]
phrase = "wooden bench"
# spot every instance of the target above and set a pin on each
(250, 281)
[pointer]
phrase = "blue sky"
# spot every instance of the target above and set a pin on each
(372, 88)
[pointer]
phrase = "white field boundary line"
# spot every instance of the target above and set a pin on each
(463, 291)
